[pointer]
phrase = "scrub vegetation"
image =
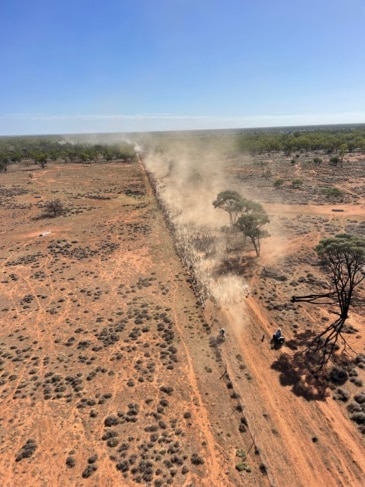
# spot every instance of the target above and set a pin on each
(118, 275)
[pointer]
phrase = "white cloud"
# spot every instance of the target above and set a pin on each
(308, 118)
(43, 123)
(91, 117)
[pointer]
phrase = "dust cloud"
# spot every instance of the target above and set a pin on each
(187, 180)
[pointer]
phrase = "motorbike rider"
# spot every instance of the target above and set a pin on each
(278, 335)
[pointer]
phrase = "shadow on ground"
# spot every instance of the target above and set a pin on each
(294, 372)
(298, 370)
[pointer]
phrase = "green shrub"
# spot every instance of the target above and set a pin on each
(333, 193)
(243, 467)
(278, 183)
(241, 454)
(297, 183)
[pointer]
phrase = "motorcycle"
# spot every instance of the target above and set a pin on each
(277, 341)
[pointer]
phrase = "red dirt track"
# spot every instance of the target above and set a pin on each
(111, 369)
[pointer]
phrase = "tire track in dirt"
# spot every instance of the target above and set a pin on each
(44, 413)
(212, 465)
(283, 425)
(211, 460)
(325, 210)
(267, 431)
(25, 280)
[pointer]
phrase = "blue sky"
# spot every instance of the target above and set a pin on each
(79, 66)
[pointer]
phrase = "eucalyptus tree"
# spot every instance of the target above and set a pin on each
(343, 260)
(251, 221)
(231, 202)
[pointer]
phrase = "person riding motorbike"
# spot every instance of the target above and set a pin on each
(278, 336)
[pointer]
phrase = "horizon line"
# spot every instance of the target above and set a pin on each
(225, 129)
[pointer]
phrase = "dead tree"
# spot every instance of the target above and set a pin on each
(54, 208)
(343, 258)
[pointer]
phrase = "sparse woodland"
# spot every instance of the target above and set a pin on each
(249, 217)
(119, 270)
(41, 149)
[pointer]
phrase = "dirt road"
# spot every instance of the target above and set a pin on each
(110, 370)
(303, 442)
(306, 439)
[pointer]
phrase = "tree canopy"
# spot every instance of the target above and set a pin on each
(231, 202)
(250, 223)
(336, 139)
(42, 148)
(343, 258)
(246, 215)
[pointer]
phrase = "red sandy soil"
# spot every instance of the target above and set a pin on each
(302, 432)
(102, 337)
(306, 439)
